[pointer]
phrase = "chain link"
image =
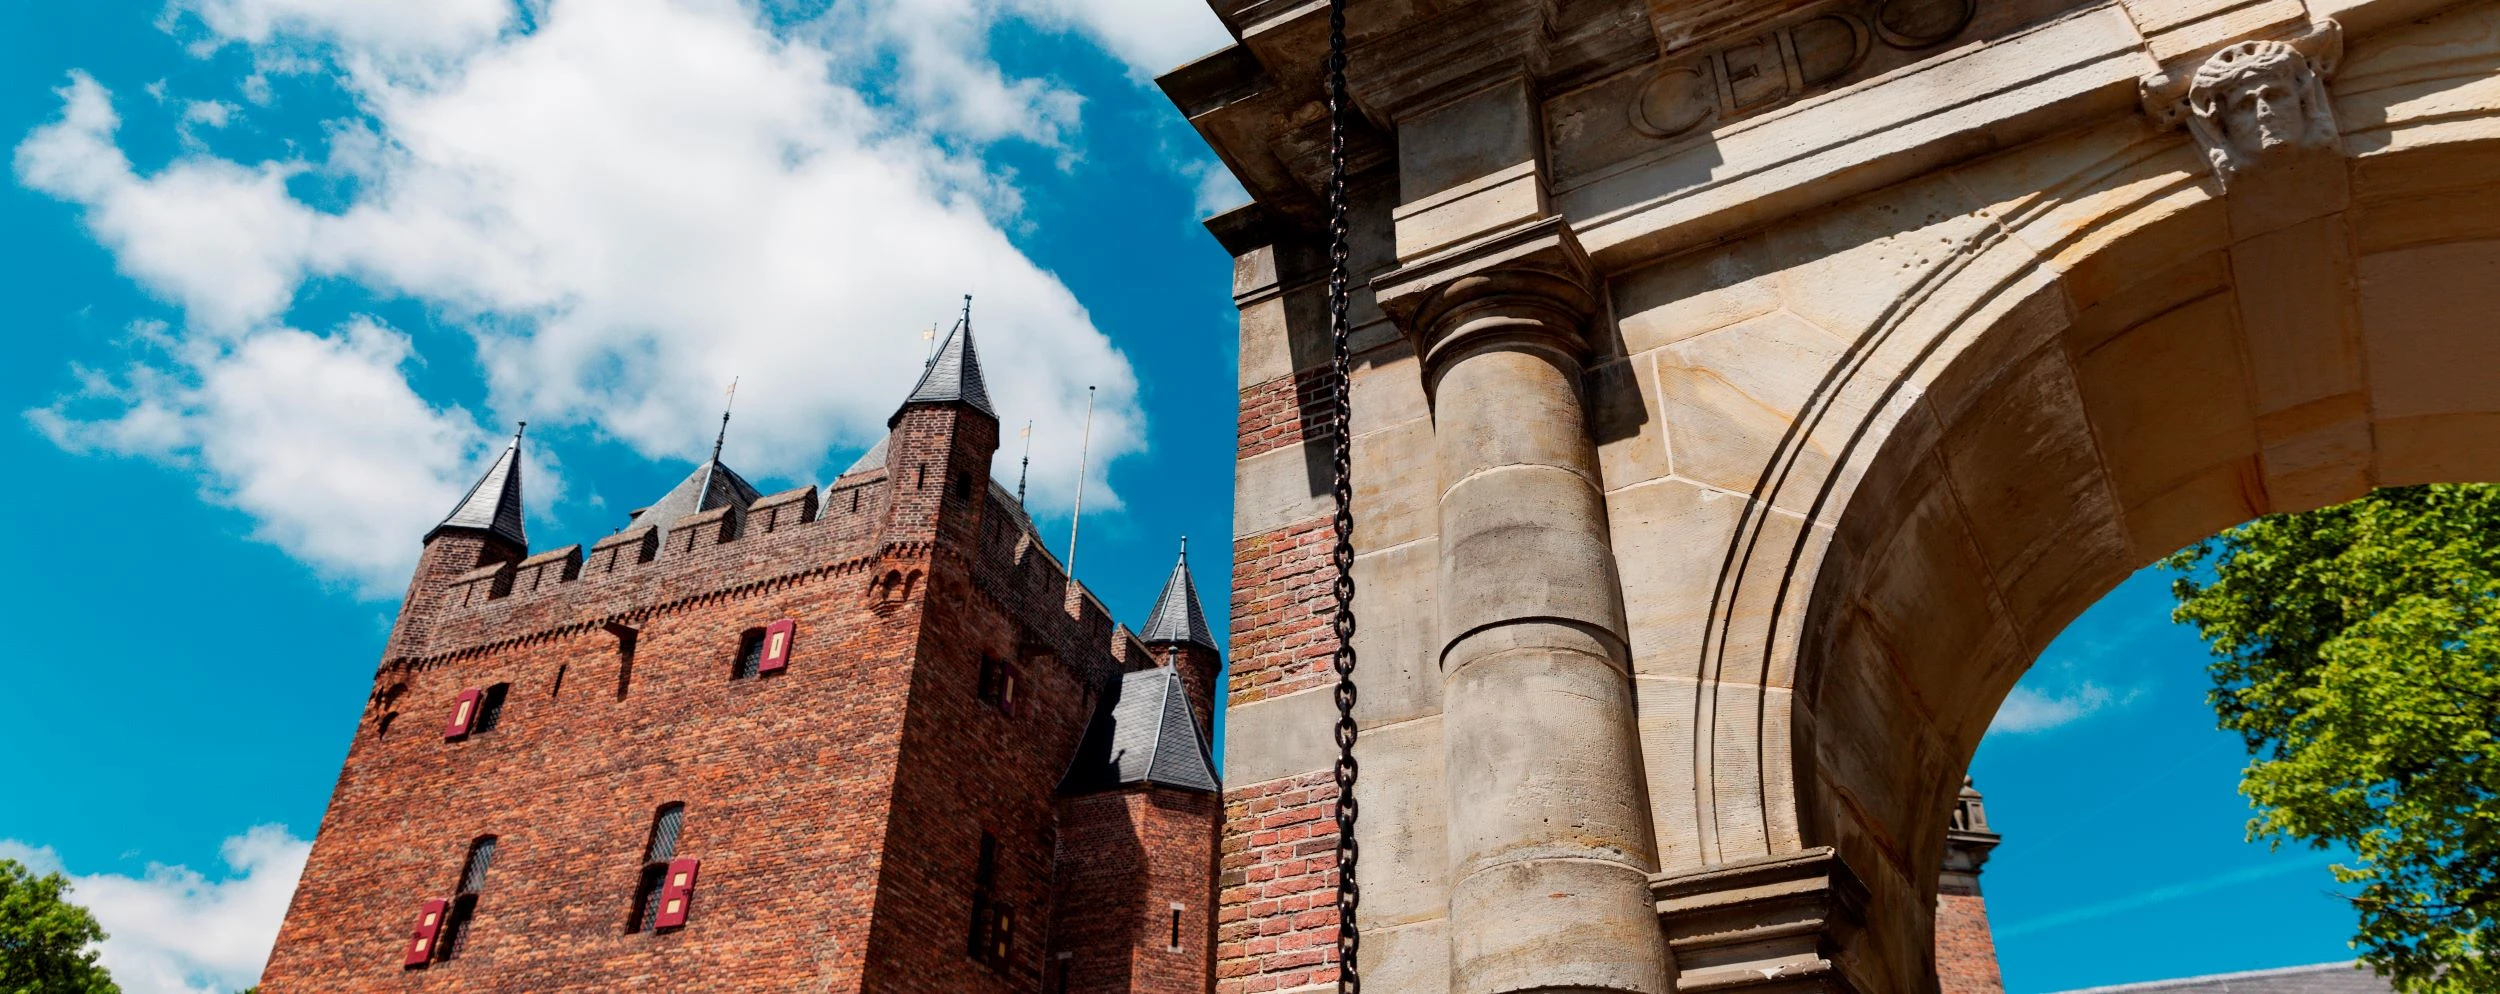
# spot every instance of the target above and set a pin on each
(1349, 894)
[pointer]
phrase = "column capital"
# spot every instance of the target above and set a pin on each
(1529, 286)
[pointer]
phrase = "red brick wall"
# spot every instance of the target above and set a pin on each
(1281, 639)
(1966, 953)
(836, 807)
(1283, 411)
(1277, 924)
(1126, 860)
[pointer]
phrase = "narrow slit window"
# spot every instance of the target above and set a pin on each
(463, 911)
(656, 854)
(557, 689)
(977, 943)
(1176, 928)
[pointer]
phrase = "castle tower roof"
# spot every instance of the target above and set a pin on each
(952, 376)
(1142, 733)
(1177, 616)
(493, 503)
(709, 486)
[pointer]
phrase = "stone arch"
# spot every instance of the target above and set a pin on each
(1959, 410)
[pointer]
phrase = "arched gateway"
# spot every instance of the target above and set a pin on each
(1745, 393)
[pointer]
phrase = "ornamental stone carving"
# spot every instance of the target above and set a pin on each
(1780, 65)
(2254, 102)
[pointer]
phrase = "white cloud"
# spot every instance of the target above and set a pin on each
(624, 207)
(318, 438)
(175, 931)
(2029, 710)
(365, 27)
(1152, 36)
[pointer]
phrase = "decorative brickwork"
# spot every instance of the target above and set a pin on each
(1281, 638)
(1277, 886)
(837, 807)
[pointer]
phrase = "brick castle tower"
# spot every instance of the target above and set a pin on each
(864, 738)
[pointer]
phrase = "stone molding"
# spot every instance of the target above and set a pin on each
(1530, 286)
(2266, 73)
(1768, 926)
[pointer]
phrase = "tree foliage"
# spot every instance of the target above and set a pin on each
(2358, 654)
(47, 945)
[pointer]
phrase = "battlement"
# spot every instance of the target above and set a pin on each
(650, 566)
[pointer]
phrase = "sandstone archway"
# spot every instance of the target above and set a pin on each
(1878, 389)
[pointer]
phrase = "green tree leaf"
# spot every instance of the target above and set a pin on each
(47, 945)
(2357, 653)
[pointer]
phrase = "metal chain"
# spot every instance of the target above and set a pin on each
(1349, 894)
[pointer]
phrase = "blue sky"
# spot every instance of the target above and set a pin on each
(282, 272)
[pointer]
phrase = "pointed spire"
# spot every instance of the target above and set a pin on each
(493, 505)
(1177, 617)
(953, 375)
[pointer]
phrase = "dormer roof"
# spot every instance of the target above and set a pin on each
(493, 503)
(952, 376)
(1142, 733)
(1177, 616)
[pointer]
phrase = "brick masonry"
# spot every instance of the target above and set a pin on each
(837, 806)
(1277, 886)
(1966, 953)
(1281, 637)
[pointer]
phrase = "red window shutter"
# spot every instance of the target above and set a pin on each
(429, 922)
(676, 893)
(463, 714)
(777, 645)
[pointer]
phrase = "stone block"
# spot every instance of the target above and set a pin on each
(1730, 399)
(1397, 650)
(1405, 827)
(1670, 544)
(1667, 706)
(2296, 301)
(1695, 293)
(1279, 737)
(2168, 400)
(2427, 316)
(1280, 487)
(1395, 500)
(2210, 501)
(1525, 542)
(1625, 419)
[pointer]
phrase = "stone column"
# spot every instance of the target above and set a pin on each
(1551, 849)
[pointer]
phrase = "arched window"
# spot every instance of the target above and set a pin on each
(652, 892)
(463, 910)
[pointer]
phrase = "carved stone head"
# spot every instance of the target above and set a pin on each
(2257, 100)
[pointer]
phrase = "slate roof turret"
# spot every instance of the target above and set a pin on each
(493, 504)
(1177, 616)
(1142, 733)
(952, 376)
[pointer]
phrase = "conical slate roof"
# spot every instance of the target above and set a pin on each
(493, 504)
(1142, 733)
(952, 376)
(1177, 617)
(727, 487)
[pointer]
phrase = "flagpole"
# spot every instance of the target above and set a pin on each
(1084, 451)
(1026, 468)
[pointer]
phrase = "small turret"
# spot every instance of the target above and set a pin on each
(1177, 633)
(483, 529)
(939, 445)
